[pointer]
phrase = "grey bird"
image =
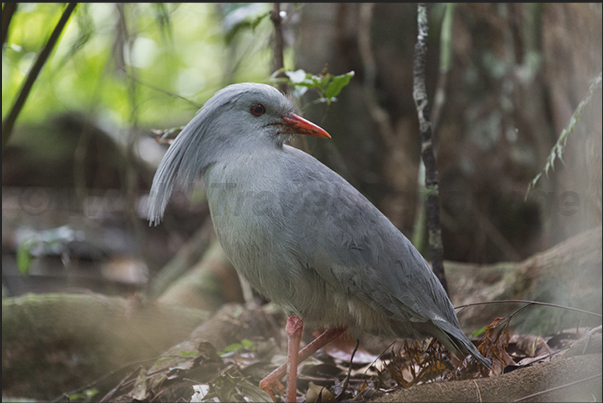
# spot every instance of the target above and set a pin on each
(299, 233)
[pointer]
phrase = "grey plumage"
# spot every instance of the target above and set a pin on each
(299, 233)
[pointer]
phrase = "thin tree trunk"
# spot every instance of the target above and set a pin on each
(275, 17)
(436, 247)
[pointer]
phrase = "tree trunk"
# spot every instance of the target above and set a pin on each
(567, 274)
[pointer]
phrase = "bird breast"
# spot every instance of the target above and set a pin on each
(256, 232)
(318, 259)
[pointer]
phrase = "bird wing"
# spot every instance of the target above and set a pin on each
(354, 247)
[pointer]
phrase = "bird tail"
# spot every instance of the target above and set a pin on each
(463, 344)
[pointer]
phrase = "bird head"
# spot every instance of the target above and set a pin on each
(240, 118)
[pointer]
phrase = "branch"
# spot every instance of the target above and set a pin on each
(279, 64)
(7, 15)
(9, 122)
(524, 301)
(137, 80)
(562, 371)
(432, 207)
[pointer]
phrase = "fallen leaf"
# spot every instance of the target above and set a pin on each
(317, 393)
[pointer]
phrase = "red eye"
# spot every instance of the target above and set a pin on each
(258, 110)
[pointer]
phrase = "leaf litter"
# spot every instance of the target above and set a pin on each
(234, 373)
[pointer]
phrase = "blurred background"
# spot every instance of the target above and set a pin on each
(78, 164)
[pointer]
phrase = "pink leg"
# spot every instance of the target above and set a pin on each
(294, 328)
(272, 381)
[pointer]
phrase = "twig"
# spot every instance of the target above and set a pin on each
(378, 357)
(517, 311)
(432, 207)
(277, 21)
(7, 15)
(9, 122)
(479, 394)
(529, 303)
(102, 378)
(557, 388)
(161, 90)
(121, 383)
(347, 378)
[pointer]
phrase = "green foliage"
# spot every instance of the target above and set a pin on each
(189, 353)
(557, 150)
(325, 84)
(183, 353)
(49, 242)
(86, 31)
(244, 345)
(233, 347)
(243, 18)
(24, 256)
(249, 344)
(126, 66)
(337, 84)
(161, 360)
(479, 332)
(163, 19)
(85, 396)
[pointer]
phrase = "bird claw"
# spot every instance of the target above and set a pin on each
(272, 386)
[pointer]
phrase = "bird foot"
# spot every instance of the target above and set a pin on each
(272, 386)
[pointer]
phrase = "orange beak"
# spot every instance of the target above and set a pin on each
(298, 125)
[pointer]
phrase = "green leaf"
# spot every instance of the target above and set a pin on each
(161, 361)
(479, 332)
(248, 344)
(86, 395)
(242, 18)
(324, 80)
(320, 81)
(233, 347)
(257, 20)
(308, 83)
(24, 257)
(188, 353)
(338, 83)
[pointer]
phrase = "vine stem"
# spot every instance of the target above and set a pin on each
(9, 122)
(522, 301)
